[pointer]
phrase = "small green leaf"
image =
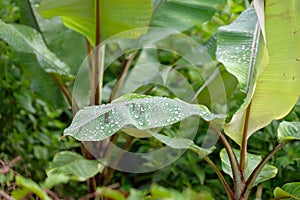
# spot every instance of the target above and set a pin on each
(74, 165)
(135, 194)
(32, 187)
(111, 194)
(97, 123)
(28, 40)
(25, 100)
(268, 171)
(289, 191)
(289, 131)
(55, 179)
(20, 193)
(162, 193)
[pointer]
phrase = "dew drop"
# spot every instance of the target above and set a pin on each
(141, 123)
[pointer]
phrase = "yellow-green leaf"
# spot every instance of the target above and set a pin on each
(276, 90)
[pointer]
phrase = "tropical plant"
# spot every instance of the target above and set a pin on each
(253, 49)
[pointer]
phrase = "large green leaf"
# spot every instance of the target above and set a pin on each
(276, 89)
(181, 15)
(97, 123)
(67, 44)
(115, 15)
(267, 172)
(74, 165)
(288, 191)
(289, 131)
(237, 47)
(28, 40)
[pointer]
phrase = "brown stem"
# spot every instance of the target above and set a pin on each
(116, 161)
(221, 177)
(52, 194)
(91, 68)
(243, 154)
(238, 178)
(250, 181)
(91, 182)
(122, 76)
(98, 60)
(5, 168)
(64, 90)
(6, 196)
(195, 148)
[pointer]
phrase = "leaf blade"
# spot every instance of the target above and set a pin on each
(26, 39)
(100, 122)
(276, 89)
(289, 131)
(182, 15)
(267, 172)
(115, 15)
(288, 191)
(73, 165)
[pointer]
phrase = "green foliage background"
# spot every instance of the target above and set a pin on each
(31, 125)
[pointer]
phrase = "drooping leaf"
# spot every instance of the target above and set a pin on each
(267, 172)
(289, 191)
(74, 165)
(115, 15)
(97, 123)
(32, 186)
(289, 131)
(28, 40)
(182, 15)
(67, 44)
(276, 89)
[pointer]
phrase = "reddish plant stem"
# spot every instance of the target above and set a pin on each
(238, 178)
(122, 76)
(250, 181)
(97, 99)
(112, 170)
(243, 152)
(221, 177)
(65, 91)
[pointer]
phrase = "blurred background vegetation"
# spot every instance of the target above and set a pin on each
(31, 124)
